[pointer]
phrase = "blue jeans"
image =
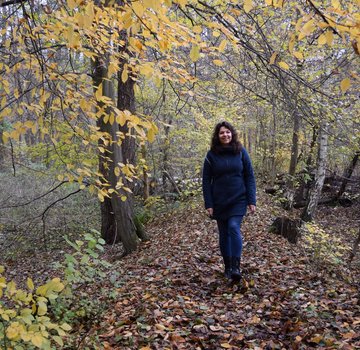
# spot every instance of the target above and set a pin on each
(230, 236)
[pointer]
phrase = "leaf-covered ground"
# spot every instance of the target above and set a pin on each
(171, 294)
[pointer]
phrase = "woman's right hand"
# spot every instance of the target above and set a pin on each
(210, 212)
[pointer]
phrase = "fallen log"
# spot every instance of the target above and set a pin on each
(344, 202)
(302, 204)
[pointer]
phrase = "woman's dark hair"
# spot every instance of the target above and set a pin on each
(217, 147)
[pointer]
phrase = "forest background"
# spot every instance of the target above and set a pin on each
(106, 112)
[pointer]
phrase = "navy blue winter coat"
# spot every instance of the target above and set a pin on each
(228, 183)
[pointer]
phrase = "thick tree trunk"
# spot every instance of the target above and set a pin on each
(126, 101)
(117, 222)
(311, 206)
(347, 174)
(123, 210)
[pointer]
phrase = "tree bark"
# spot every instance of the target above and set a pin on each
(315, 192)
(146, 182)
(290, 185)
(355, 247)
(250, 145)
(272, 168)
(263, 147)
(347, 174)
(126, 101)
(2, 146)
(286, 227)
(172, 181)
(116, 215)
(309, 159)
(165, 154)
(295, 144)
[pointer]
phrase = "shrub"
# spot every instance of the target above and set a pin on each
(34, 319)
(24, 321)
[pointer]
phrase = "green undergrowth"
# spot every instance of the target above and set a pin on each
(42, 317)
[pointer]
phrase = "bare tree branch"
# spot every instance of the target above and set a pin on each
(11, 2)
(35, 199)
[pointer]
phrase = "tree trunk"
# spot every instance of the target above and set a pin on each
(309, 159)
(355, 247)
(315, 192)
(116, 215)
(2, 146)
(295, 144)
(272, 167)
(347, 174)
(263, 147)
(245, 138)
(250, 145)
(146, 183)
(126, 101)
(290, 185)
(165, 151)
(172, 181)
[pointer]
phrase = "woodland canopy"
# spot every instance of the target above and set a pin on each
(106, 113)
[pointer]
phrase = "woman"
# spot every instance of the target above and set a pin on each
(228, 189)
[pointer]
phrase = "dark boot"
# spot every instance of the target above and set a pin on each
(227, 263)
(235, 269)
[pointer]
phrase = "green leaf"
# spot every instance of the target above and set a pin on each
(42, 309)
(85, 259)
(101, 241)
(30, 283)
(58, 340)
(70, 259)
(92, 253)
(89, 237)
(195, 53)
(100, 247)
(65, 327)
(37, 339)
(56, 285)
(76, 247)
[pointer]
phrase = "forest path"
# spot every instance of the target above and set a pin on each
(172, 294)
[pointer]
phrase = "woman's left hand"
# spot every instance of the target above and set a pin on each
(252, 208)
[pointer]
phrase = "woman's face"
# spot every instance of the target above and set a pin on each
(225, 135)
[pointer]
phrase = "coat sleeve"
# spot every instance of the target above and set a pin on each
(249, 178)
(206, 183)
